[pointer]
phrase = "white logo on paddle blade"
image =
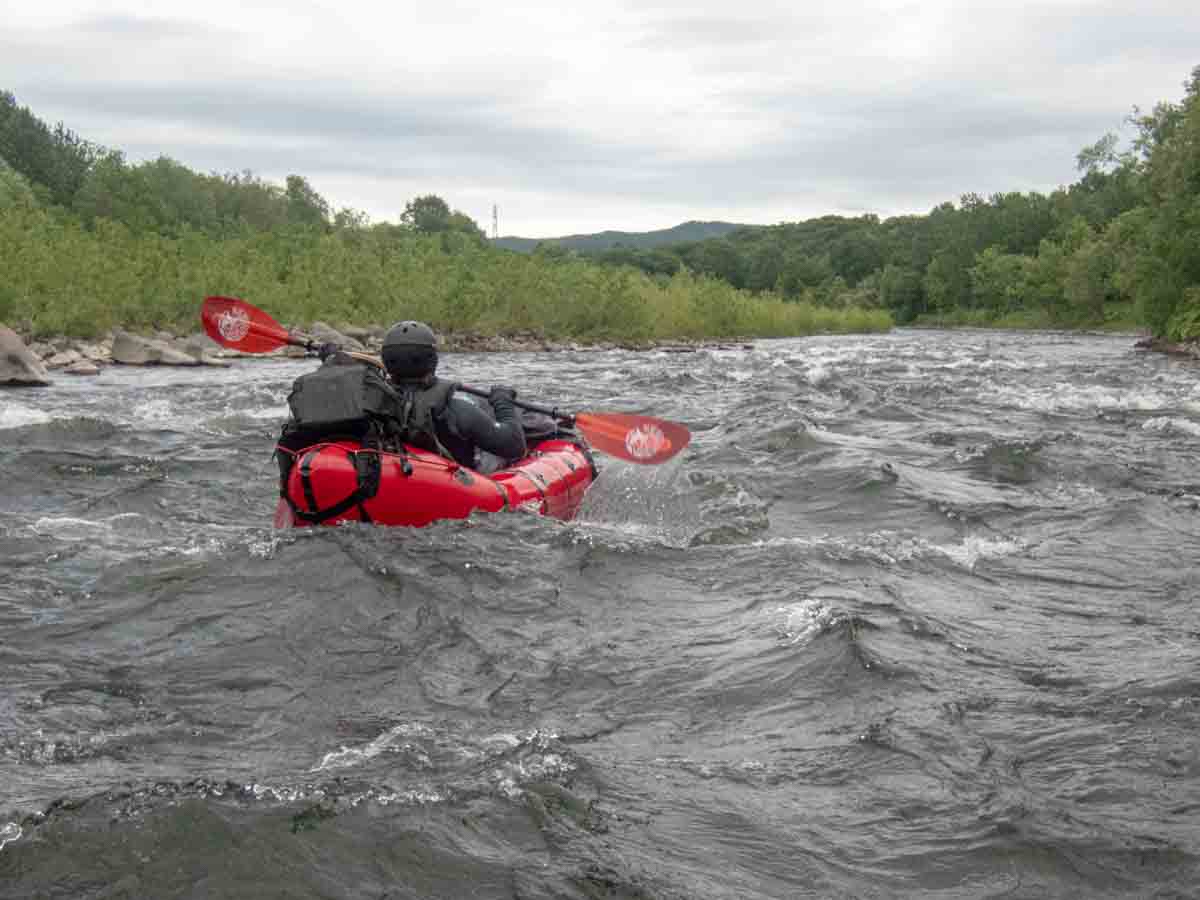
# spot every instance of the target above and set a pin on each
(645, 441)
(233, 324)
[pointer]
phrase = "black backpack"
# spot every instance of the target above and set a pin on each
(358, 402)
(349, 400)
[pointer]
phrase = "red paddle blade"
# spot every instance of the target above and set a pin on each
(234, 323)
(638, 439)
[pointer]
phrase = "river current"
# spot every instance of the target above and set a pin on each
(915, 615)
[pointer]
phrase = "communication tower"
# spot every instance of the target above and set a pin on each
(495, 221)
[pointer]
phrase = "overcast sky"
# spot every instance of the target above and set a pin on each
(625, 114)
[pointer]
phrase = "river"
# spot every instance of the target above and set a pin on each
(915, 615)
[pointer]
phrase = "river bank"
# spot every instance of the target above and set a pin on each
(1174, 348)
(24, 360)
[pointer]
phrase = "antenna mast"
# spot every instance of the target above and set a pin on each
(495, 221)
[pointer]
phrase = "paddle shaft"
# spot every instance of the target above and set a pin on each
(551, 411)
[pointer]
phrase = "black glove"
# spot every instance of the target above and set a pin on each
(324, 351)
(503, 393)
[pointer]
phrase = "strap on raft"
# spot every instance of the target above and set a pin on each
(367, 468)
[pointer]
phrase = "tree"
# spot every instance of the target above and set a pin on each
(109, 191)
(719, 258)
(856, 255)
(428, 214)
(305, 206)
(764, 266)
(1166, 274)
(1101, 156)
(659, 262)
(463, 224)
(900, 291)
(946, 282)
(1089, 280)
(349, 219)
(13, 187)
(244, 200)
(998, 281)
(801, 271)
(54, 160)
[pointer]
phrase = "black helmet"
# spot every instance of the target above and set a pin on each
(410, 351)
(410, 334)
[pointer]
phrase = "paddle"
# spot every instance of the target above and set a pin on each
(645, 440)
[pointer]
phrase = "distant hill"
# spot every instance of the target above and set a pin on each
(606, 240)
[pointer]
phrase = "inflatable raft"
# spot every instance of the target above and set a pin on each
(344, 481)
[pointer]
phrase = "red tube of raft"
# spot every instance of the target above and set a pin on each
(328, 483)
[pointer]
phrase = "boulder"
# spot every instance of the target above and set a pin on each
(201, 345)
(18, 366)
(83, 367)
(94, 352)
(358, 332)
(135, 350)
(62, 359)
(324, 334)
(1175, 348)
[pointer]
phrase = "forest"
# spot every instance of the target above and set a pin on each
(1120, 247)
(90, 240)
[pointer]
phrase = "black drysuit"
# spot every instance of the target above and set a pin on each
(463, 426)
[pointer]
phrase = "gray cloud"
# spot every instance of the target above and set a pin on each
(1000, 100)
(691, 31)
(143, 28)
(901, 153)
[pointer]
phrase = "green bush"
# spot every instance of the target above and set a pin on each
(63, 277)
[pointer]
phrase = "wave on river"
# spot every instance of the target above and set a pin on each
(915, 615)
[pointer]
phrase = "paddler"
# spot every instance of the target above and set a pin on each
(429, 404)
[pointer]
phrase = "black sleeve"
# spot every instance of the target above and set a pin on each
(502, 435)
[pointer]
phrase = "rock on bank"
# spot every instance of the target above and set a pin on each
(18, 365)
(1175, 348)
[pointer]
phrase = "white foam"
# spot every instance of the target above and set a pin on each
(160, 412)
(1068, 398)
(279, 795)
(405, 798)
(268, 412)
(66, 528)
(291, 795)
(264, 548)
(802, 621)
(353, 756)
(889, 548)
(17, 415)
(9, 832)
(1172, 425)
(70, 528)
(818, 374)
(974, 548)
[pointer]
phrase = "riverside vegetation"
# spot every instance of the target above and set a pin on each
(1120, 248)
(66, 277)
(90, 242)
